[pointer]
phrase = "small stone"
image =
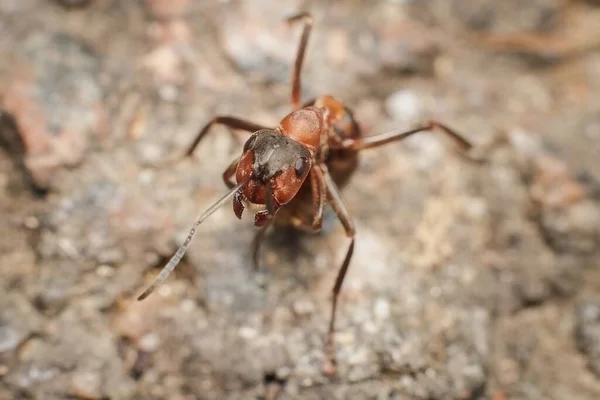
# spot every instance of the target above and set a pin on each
(587, 333)
(283, 373)
(337, 47)
(188, 305)
(31, 222)
(303, 307)
(150, 342)
(9, 338)
(86, 385)
(404, 105)
(165, 63)
(248, 333)
(105, 271)
(381, 309)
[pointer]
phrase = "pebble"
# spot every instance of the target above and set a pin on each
(86, 385)
(404, 105)
(381, 309)
(9, 339)
(587, 333)
(304, 307)
(105, 271)
(150, 342)
(248, 333)
(31, 222)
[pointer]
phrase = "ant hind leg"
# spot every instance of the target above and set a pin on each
(307, 19)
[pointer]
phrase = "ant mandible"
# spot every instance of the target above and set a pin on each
(285, 175)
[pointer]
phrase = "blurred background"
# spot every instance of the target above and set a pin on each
(469, 281)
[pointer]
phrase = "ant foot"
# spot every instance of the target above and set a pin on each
(475, 156)
(329, 366)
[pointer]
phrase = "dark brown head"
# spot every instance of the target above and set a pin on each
(276, 167)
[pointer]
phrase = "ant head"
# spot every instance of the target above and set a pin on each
(274, 167)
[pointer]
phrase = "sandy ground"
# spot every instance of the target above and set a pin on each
(469, 281)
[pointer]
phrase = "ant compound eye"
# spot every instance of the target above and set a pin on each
(250, 142)
(301, 167)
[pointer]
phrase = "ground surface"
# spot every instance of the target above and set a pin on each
(470, 281)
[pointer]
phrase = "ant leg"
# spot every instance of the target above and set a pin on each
(229, 172)
(317, 184)
(307, 19)
(343, 214)
(231, 122)
(385, 138)
(256, 243)
(259, 236)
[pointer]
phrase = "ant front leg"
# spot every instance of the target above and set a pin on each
(258, 236)
(257, 241)
(338, 205)
(319, 195)
(307, 19)
(229, 172)
(385, 138)
(231, 122)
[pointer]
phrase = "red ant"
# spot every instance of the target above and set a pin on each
(287, 174)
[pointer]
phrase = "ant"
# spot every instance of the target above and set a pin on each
(286, 175)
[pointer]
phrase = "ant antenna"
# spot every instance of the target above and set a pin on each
(181, 251)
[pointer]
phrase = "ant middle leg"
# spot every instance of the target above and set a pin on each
(307, 19)
(338, 205)
(385, 138)
(319, 195)
(232, 122)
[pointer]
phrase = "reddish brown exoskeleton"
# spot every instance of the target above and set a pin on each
(287, 174)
